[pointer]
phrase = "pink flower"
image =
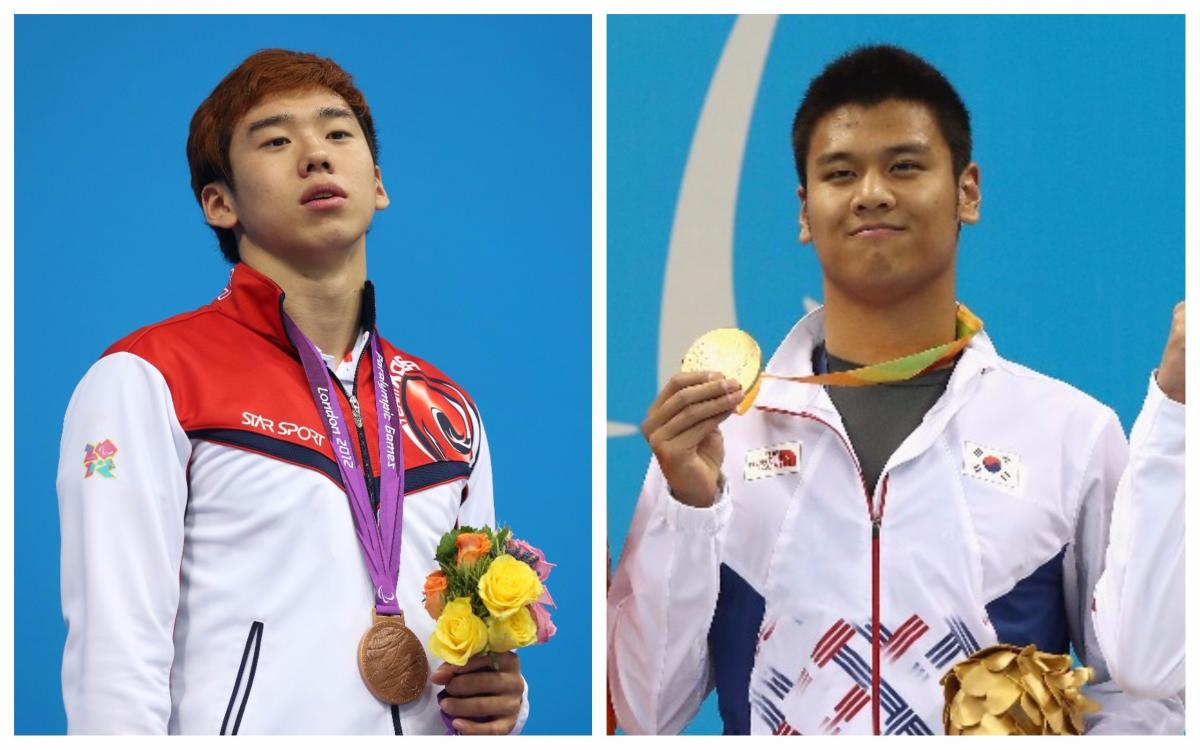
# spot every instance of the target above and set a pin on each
(106, 449)
(541, 618)
(531, 556)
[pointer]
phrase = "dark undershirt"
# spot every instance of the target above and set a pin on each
(879, 417)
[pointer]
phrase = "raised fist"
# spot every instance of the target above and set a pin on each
(1170, 373)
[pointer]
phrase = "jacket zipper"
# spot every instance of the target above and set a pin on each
(876, 523)
(356, 415)
(372, 487)
(876, 516)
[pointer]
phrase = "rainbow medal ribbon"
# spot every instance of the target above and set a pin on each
(735, 354)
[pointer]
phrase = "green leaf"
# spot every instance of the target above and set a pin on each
(446, 550)
(503, 536)
(478, 607)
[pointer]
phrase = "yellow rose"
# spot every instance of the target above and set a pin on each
(459, 634)
(508, 585)
(505, 634)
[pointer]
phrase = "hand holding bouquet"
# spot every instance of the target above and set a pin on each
(488, 595)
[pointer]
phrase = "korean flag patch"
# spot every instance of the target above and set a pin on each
(991, 465)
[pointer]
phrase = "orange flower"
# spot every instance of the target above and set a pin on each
(471, 547)
(435, 586)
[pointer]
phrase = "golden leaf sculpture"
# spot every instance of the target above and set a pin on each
(1006, 690)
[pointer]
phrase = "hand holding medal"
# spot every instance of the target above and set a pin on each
(681, 425)
(488, 598)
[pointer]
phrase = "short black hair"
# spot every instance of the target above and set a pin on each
(873, 74)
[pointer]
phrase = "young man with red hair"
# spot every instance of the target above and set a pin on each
(212, 578)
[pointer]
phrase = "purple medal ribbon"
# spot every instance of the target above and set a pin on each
(380, 543)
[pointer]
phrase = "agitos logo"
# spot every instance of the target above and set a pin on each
(437, 415)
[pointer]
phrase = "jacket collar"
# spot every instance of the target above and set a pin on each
(255, 301)
(794, 356)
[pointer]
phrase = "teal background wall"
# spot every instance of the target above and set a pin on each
(482, 261)
(1075, 265)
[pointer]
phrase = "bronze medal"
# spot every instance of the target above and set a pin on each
(392, 660)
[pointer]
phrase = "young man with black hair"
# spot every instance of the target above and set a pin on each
(251, 493)
(825, 558)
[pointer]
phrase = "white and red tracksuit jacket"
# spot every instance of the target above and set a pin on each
(816, 606)
(212, 580)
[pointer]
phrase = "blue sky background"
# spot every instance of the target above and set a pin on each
(482, 262)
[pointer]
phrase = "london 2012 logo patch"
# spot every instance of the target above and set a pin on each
(98, 459)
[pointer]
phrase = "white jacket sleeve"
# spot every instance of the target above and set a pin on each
(479, 509)
(1139, 606)
(660, 608)
(1121, 713)
(479, 506)
(122, 493)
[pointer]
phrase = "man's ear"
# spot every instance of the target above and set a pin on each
(805, 232)
(220, 210)
(381, 197)
(969, 195)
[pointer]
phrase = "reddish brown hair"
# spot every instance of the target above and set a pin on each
(266, 72)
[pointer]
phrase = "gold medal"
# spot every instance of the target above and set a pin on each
(392, 660)
(731, 352)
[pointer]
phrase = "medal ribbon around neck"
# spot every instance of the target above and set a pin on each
(380, 543)
(901, 368)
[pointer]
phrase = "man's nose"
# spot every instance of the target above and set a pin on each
(873, 193)
(316, 159)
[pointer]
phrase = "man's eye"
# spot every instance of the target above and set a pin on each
(838, 174)
(906, 166)
(275, 142)
(339, 135)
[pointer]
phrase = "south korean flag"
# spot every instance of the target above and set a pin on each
(991, 465)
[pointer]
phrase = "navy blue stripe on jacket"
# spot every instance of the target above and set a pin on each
(1034, 611)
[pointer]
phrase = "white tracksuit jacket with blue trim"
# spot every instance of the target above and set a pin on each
(814, 607)
(1139, 612)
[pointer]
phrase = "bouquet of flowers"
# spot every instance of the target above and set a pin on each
(487, 595)
(1006, 690)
